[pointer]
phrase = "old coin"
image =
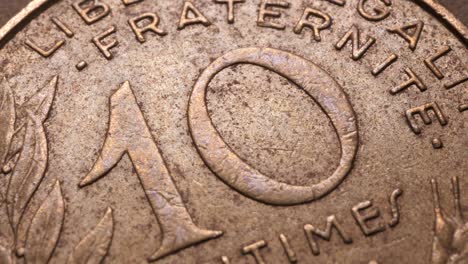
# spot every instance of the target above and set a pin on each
(232, 131)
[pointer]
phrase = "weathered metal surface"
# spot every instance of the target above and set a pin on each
(233, 132)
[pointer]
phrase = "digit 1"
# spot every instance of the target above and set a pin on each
(129, 133)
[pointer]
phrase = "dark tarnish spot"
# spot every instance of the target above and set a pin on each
(3, 64)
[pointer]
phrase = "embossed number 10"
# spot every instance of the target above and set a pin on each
(129, 133)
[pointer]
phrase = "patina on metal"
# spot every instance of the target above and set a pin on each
(233, 131)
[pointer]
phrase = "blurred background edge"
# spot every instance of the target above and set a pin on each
(9, 8)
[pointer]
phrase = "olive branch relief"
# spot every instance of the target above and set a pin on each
(23, 164)
(23, 161)
(450, 242)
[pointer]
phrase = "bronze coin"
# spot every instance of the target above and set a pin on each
(233, 131)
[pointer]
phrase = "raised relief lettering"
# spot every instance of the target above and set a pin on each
(63, 27)
(254, 250)
(91, 10)
(81, 65)
(410, 33)
(265, 12)
(430, 62)
(191, 16)
(423, 112)
(395, 208)
(152, 23)
(456, 83)
(450, 243)
(225, 260)
(379, 13)
(105, 47)
(359, 49)
(131, 2)
(288, 249)
(363, 219)
(363, 214)
(238, 174)
(337, 2)
(413, 80)
(46, 53)
(463, 108)
(384, 65)
(311, 232)
(437, 143)
(128, 134)
(305, 22)
(230, 7)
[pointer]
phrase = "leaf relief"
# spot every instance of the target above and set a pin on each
(450, 242)
(7, 119)
(45, 228)
(29, 170)
(39, 104)
(95, 245)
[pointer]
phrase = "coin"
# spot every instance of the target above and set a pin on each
(233, 131)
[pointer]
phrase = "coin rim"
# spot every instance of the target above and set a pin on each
(433, 6)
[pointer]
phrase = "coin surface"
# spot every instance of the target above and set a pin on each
(231, 131)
